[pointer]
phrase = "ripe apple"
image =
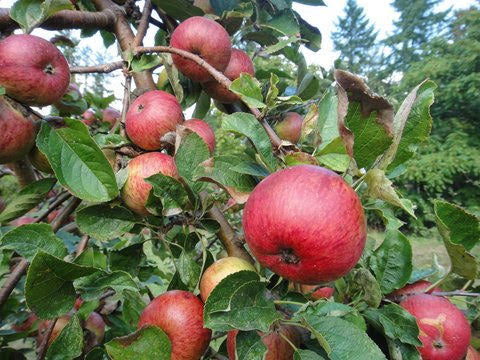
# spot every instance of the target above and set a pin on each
(218, 271)
(136, 190)
(472, 354)
(110, 116)
(39, 161)
(96, 330)
(32, 70)
(239, 63)
(88, 117)
(27, 324)
(180, 315)
(204, 5)
(290, 127)
(17, 133)
(205, 38)
(63, 106)
(202, 129)
(277, 347)
(57, 329)
(151, 116)
(444, 330)
(413, 289)
(306, 224)
(320, 292)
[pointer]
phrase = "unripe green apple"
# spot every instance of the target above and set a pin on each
(218, 271)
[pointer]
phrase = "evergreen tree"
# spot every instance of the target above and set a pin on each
(417, 24)
(355, 38)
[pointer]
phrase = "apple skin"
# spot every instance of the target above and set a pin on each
(151, 116)
(136, 190)
(40, 161)
(204, 5)
(218, 271)
(88, 117)
(65, 108)
(203, 37)
(239, 63)
(444, 330)
(277, 347)
(180, 315)
(413, 289)
(290, 127)
(32, 70)
(202, 129)
(306, 224)
(472, 354)
(18, 133)
(110, 116)
(57, 329)
(321, 293)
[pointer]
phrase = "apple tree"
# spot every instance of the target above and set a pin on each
(238, 231)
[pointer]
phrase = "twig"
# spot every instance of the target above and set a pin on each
(82, 245)
(455, 293)
(218, 76)
(143, 25)
(104, 68)
(125, 106)
(209, 245)
(65, 213)
(157, 23)
(60, 199)
(42, 350)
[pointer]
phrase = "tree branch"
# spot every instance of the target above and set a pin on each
(66, 19)
(104, 68)
(42, 350)
(218, 76)
(455, 293)
(143, 25)
(82, 245)
(61, 198)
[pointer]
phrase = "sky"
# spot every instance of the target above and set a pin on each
(380, 13)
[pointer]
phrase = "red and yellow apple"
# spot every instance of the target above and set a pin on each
(110, 116)
(202, 129)
(88, 117)
(290, 127)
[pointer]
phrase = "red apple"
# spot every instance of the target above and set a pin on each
(180, 315)
(413, 289)
(57, 329)
(88, 117)
(305, 223)
(277, 347)
(26, 325)
(309, 290)
(136, 190)
(73, 91)
(205, 38)
(151, 116)
(218, 271)
(444, 330)
(290, 127)
(32, 70)
(204, 5)
(78, 303)
(202, 129)
(96, 327)
(40, 161)
(472, 354)
(239, 63)
(17, 133)
(110, 116)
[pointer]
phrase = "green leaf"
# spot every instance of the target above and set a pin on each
(392, 261)
(77, 161)
(170, 192)
(380, 187)
(344, 339)
(285, 23)
(191, 153)
(145, 62)
(396, 322)
(249, 90)
(28, 239)
(223, 5)
(401, 351)
(26, 199)
(132, 307)
(188, 269)
(365, 287)
(49, 288)
(219, 170)
(92, 258)
(311, 2)
(412, 125)
(247, 125)
(459, 231)
(150, 342)
(301, 354)
(272, 49)
(108, 38)
(309, 87)
(94, 285)
(240, 301)
(311, 34)
(30, 13)
(202, 107)
(69, 343)
(105, 222)
(249, 346)
(250, 168)
(272, 90)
